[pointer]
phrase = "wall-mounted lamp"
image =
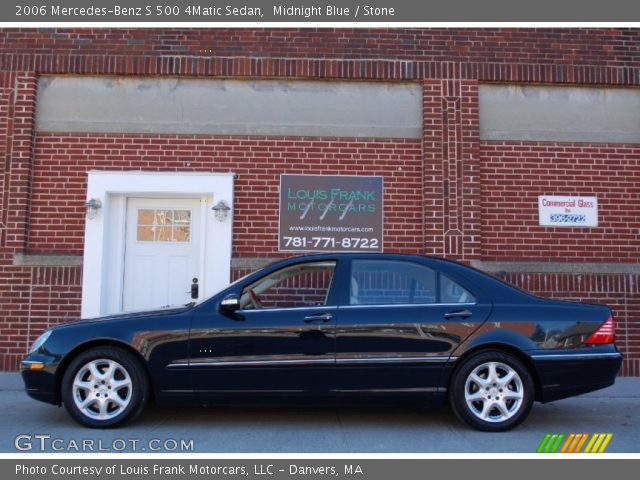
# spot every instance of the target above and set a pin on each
(92, 206)
(221, 210)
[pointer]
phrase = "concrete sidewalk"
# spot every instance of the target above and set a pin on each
(11, 381)
(322, 430)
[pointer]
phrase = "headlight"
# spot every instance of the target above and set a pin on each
(40, 341)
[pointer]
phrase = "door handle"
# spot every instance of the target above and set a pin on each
(321, 317)
(458, 313)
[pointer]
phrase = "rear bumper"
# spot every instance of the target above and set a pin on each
(563, 375)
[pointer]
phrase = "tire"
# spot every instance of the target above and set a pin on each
(483, 397)
(104, 387)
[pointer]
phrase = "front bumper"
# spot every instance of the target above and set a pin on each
(40, 384)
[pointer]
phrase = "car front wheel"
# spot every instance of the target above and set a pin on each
(492, 391)
(104, 387)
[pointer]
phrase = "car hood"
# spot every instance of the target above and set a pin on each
(130, 315)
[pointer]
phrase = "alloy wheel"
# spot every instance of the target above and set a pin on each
(102, 389)
(494, 392)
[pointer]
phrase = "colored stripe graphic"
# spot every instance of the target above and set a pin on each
(550, 443)
(553, 443)
(598, 443)
(574, 442)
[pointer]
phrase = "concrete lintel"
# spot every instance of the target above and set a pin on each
(253, 263)
(28, 260)
(557, 267)
(197, 106)
(559, 113)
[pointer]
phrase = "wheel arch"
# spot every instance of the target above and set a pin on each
(103, 342)
(500, 347)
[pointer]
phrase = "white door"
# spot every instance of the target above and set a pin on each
(162, 252)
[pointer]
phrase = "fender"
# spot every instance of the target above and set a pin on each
(496, 333)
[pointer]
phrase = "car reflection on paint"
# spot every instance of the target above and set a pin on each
(330, 327)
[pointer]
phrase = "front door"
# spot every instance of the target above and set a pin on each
(162, 252)
(281, 339)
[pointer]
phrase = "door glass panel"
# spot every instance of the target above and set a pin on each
(145, 217)
(181, 233)
(453, 292)
(182, 217)
(181, 225)
(381, 282)
(145, 234)
(164, 225)
(163, 234)
(302, 285)
(163, 217)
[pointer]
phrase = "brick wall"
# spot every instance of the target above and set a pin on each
(451, 169)
(62, 161)
(549, 46)
(585, 56)
(449, 194)
(513, 174)
(17, 109)
(31, 300)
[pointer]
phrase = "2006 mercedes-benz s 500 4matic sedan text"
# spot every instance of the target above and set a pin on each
(335, 326)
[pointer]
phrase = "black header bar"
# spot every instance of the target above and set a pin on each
(318, 11)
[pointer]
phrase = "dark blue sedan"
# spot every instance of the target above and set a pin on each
(329, 328)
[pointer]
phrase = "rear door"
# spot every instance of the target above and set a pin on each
(400, 324)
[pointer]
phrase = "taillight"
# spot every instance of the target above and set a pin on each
(606, 333)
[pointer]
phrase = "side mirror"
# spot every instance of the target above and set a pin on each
(230, 303)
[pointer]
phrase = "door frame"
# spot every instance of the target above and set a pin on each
(103, 260)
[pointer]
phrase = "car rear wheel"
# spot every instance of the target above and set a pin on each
(492, 391)
(104, 387)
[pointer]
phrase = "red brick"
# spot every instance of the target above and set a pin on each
(441, 192)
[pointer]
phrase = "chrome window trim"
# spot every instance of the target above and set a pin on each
(386, 305)
(406, 305)
(287, 309)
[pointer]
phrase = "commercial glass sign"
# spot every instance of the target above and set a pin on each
(562, 211)
(330, 213)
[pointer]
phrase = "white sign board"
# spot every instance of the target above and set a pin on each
(560, 211)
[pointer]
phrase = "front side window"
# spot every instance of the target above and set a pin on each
(301, 285)
(375, 282)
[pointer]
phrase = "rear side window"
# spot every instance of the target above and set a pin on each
(453, 292)
(375, 282)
